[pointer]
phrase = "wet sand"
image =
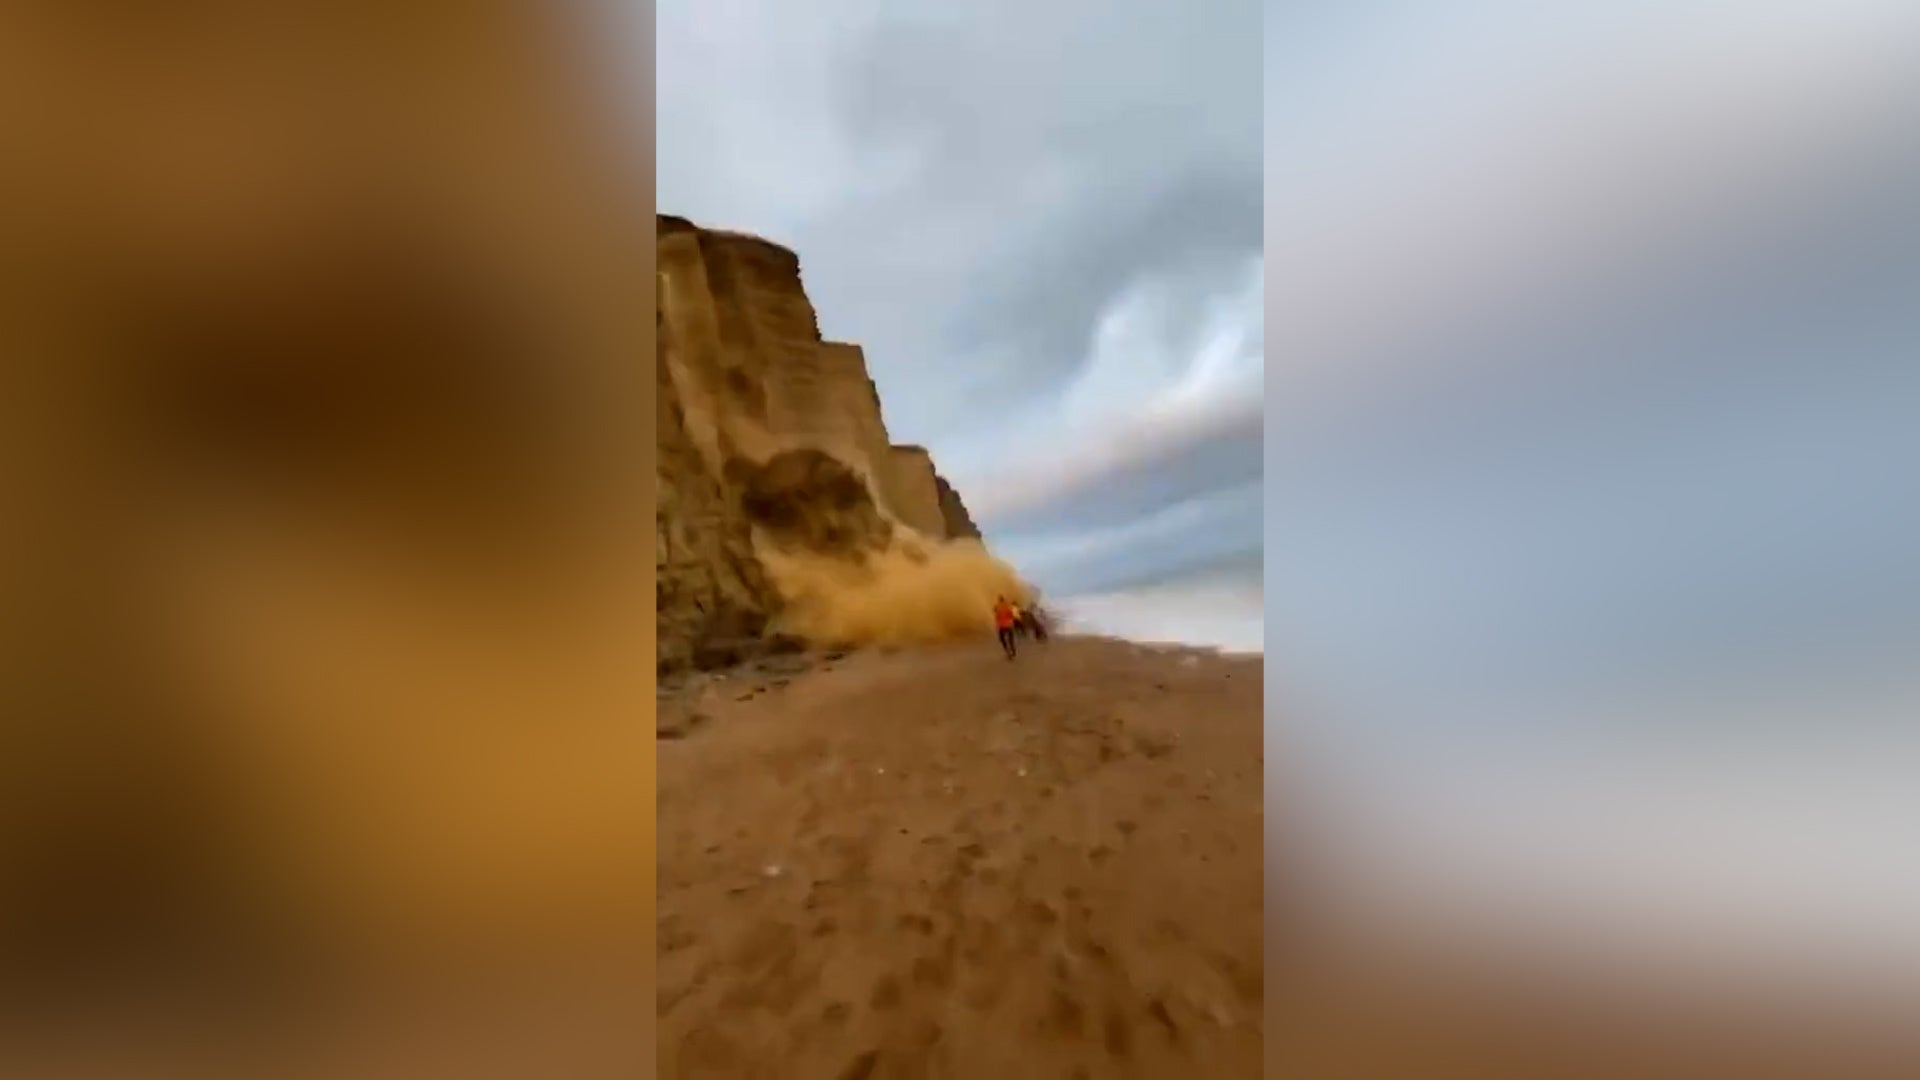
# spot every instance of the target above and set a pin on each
(937, 863)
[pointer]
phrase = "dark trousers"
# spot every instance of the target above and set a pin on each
(1006, 641)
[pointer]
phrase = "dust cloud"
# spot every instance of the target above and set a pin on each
(914, 591)
(848, 573)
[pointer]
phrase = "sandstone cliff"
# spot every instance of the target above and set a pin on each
(710, 589)
(913, 492)
(826, 400)
(953, 512)
(783, 503)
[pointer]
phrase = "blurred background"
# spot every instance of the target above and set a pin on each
(1593, 417)
(324, 463)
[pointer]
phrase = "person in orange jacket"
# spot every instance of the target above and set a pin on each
(1003, 620)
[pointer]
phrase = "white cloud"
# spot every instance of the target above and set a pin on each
(1143, 395)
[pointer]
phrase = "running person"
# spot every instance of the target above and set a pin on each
(1003, 620)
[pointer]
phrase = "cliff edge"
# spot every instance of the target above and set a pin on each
(784, 509)
(953, 512)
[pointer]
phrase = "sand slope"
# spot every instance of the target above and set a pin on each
(936, 863)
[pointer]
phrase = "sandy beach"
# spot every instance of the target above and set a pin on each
(936, 863)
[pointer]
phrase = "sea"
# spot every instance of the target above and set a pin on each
(1218, 606)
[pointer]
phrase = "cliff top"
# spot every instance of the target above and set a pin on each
(667, 224)
(671, 225)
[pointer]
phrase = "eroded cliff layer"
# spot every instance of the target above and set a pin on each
(824, 399)
(783, 504)
(913, 490)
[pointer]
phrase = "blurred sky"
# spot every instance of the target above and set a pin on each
(1593, 461)
(1042, 221)
(1596, 353)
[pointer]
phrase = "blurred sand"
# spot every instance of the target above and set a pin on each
(936, 863)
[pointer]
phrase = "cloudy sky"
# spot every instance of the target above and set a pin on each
(1043, 222)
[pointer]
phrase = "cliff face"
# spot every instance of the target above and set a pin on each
(914, 492)
(709, 588)
(825, 400)
(711, 357)
(773, 447)
(953, 512)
